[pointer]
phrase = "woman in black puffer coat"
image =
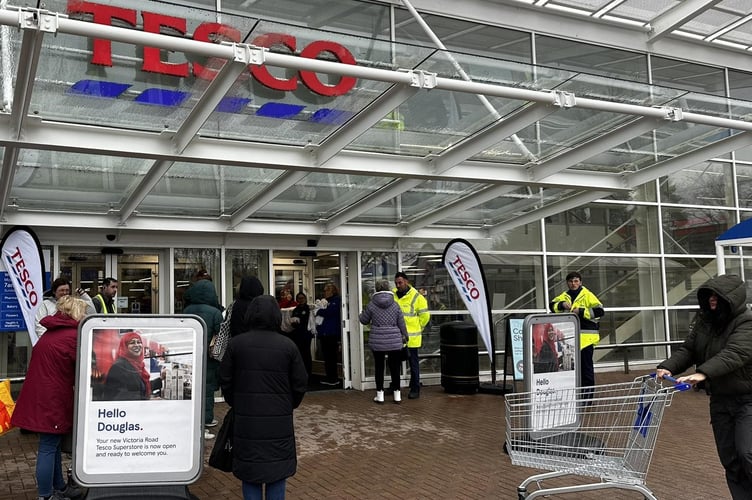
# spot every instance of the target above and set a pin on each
(719, 343)
(263, 379)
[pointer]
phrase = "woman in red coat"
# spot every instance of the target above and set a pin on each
(45, 404)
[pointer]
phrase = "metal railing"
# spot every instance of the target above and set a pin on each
(625, 347)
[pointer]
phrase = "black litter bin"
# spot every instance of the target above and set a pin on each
(459, 357)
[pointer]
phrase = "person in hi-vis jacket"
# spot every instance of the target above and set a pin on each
(582, 302)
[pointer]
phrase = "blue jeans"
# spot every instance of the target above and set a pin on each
(212, 384)
(274, 491)
(49, 464)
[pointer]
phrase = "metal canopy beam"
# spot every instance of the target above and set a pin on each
(144, 187)
(276, 188)
(675, 17)
(458, 206)
(493, 134)
(363, 121)
(554, 208)
(672, 165)
(205, 106)
(594, 147)
(371, 201)
(102, 141)
(34, 28)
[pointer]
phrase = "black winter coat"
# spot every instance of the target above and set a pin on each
(263, 378)
(720, 344)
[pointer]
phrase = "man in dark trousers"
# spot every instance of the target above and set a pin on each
(104, 302)
(587, 307)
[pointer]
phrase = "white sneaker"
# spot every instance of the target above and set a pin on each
(379, 397)
(208, 435)
(397, 397)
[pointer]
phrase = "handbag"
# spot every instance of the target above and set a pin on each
(221, 454)
(404, 354)
(220, 340)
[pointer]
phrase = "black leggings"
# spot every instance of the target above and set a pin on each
(394, 369)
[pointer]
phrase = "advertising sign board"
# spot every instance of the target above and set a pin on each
(551, 364)
(139, 404)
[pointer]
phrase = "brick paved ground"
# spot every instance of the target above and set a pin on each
(441, 446)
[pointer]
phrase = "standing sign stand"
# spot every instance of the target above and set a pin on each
(514, 353)
(552, 372)
(130, 442)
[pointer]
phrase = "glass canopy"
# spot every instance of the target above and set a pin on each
(242, 121)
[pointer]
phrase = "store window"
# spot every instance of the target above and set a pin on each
(692, 230)
(592, 59)
(684, 275)
(244, 263)
(187, 264)
(708, 183)
(464, 36)
(688, 76)
(618, 281)
(744, 180)
(610, 228)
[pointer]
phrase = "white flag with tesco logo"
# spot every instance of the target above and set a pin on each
(463, 264)
(24, 263)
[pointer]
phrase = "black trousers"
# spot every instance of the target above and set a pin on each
(394, 369)
(330, 350)
(731, 418)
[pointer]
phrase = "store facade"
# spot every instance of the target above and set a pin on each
(357, 146)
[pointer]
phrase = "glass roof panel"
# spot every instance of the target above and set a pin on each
(58, 180)
(321, 195)
(430, 122)
(420, 200)
(642, 10)
(71, 87)
(709, 21)
(303, 115)
(505, 207)
(205, 190)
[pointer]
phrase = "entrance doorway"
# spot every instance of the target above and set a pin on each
(137, 274)
(309, 272)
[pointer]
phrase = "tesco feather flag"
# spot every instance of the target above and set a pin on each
(24, 263)
(463, 264)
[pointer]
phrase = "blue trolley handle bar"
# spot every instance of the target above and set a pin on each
(679, 386)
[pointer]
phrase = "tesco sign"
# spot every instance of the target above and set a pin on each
(210, 32)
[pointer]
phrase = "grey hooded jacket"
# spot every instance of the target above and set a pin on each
(388, 330)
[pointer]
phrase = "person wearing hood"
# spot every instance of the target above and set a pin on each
(387, 337)
(45, 404)
(204, 304)
(263, 379)
(60, 288)
(127, 379)
(250, 288)
(719, 345)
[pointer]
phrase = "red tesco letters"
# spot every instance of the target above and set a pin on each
(208, 32)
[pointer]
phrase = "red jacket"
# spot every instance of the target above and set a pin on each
(45, 403)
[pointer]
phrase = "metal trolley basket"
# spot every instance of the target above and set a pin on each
(605, 431)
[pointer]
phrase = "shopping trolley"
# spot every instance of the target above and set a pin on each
(605, 431)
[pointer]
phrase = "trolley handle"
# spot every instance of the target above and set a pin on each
(679, 386)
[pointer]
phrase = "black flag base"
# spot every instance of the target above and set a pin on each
(153, 492)
(495, 388)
